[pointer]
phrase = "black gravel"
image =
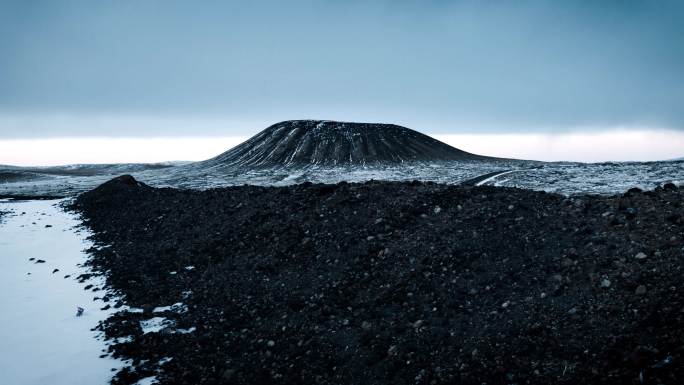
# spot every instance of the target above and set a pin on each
(393, 283)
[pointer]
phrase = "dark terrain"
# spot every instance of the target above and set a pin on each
(330, 143)
(394, 283)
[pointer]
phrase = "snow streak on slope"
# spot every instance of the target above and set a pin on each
(329, 143)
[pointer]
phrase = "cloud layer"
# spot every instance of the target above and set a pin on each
(449, 66)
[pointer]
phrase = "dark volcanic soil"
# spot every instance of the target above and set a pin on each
(19, 176)
(330, 143)
(395, 283)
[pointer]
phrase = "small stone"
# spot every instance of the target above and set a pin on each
(505, 304)
(640, 256)
(437, 210)
(370, 238)
(605, 283)
(228, 374)
(640, 290)
(365, 325)
(271, 343)
(511, 207)
(393, 350)
(572, 311)
(567, 262)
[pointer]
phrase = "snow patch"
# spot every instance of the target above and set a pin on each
(42, 338)
(178, 307)
(155, 324)
(147, 381)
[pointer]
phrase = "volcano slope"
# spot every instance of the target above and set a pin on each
(392, 283)
(298, 143)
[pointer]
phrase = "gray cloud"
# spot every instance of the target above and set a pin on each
(452, 66)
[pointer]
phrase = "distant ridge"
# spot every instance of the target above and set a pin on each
(330, 143)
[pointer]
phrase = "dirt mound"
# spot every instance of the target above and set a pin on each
(395, 283)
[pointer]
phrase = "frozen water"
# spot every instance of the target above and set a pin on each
(43, 341)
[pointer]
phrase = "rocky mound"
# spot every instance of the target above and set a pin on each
(394, 283)
(120, 184)
(124, 185)
(328, 143)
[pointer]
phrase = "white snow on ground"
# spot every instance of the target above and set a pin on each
(155, 324)
(186, 331)
(561, 177)
(41, 339)
(178, 307)
(491, 178)
(147, 381)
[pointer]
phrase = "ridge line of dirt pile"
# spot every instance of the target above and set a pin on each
(393, 283)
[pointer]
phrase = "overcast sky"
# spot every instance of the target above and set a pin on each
(221, 68)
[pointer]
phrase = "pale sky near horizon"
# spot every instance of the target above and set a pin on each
(182, 80)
